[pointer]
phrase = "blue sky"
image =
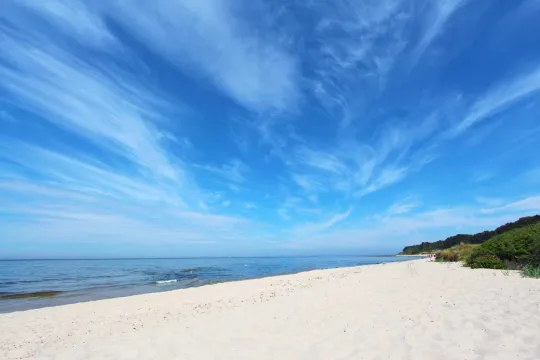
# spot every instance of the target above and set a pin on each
(230, 127)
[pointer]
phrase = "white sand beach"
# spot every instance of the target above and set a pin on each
(409, 310)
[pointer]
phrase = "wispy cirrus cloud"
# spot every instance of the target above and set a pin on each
(320, 226)
(121, 179)
(439, 13)
(234, 171)
(385, 230)
(363, 168)
(212, 39)
(530, 204)
(482, 176)
(118, 117)
(77, 19)
(83, 176)
(502, 96)
(403, 207)
(359, 168)
(181, 118)
(358, 44)
(307, 183)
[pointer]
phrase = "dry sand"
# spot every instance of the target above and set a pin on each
(411, 310)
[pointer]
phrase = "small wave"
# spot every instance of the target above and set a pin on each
(165, 281)
(204, 269)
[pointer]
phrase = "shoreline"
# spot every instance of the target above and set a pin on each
(45, 298)
(416, 255)
(413, 309)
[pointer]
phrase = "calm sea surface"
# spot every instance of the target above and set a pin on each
(27, 284)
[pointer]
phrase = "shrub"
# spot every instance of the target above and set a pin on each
(487, 261)
(533, 258)
(520, 246)
(531, 271)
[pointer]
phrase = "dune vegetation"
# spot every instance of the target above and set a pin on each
(460, 252)
(517, 249)
(430, 247)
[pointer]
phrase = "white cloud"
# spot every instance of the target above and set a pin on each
(358, 44)
(387, 176)
(439, 12)
(357, 168)
(489, 201)
(403, 207)
(528, 204)
(86, 225)
(211, 38)
(393, 231)
(134, 170)
(139, 190)
(250, 206)
(309, 186)
(75, 18)
(320, 226)
(320, 160)
(501, 97)
(234, 170)
(81, 175)
(76, 96)
(481, 176)
(284, 214)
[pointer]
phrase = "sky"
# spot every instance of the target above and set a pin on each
(232, 127)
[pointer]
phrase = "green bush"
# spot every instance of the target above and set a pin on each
(520, 246)
(531, 271)
(533, 258)
(487, 261)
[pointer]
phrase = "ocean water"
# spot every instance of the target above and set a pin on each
(27, 284)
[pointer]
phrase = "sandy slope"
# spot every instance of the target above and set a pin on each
(413, 310)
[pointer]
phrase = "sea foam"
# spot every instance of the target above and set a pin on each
(165, 281)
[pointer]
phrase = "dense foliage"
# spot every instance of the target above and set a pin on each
(482, 259)
(533, 258)
(469, 239)
(514, 248)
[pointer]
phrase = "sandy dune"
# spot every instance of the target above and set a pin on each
(413, 310)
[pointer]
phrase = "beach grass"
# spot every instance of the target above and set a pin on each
(460, 252)
(531, 271)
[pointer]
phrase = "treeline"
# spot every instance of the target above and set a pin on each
(469, 239)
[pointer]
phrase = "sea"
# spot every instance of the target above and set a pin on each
(31, 284)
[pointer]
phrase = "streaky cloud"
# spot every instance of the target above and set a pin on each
(501, 97)
(211, 38)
